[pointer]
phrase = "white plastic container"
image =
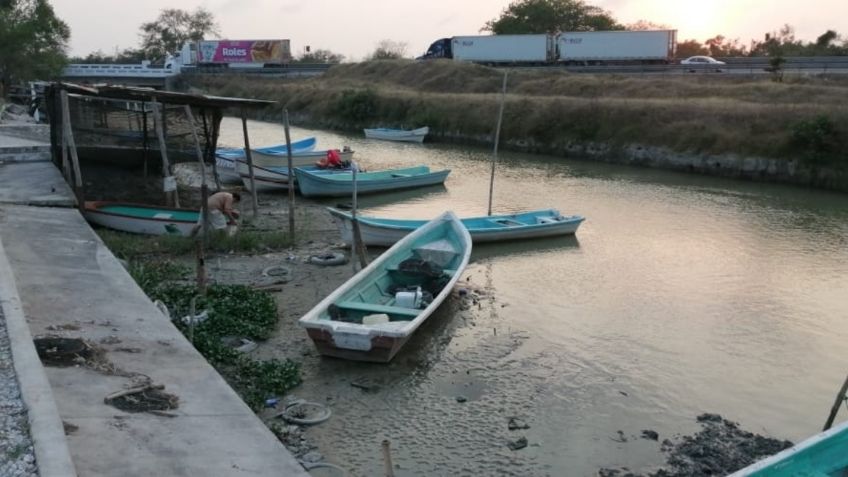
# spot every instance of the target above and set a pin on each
(407, 299)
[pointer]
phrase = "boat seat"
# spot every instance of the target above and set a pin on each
(375, 308)
(507, 222)
(400, 175)
(546, 220)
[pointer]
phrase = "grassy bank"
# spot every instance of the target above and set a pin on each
(801, 118)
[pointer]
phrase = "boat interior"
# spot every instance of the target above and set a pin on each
(402, 288)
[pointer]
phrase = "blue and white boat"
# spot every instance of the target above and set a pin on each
(271, 179)
(403, 135)
(825, 455)
(526, 225)
(226, 158)
(336, 185)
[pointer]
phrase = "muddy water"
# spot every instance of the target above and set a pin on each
(679, 295)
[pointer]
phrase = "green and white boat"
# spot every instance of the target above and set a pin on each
(823, 455)
(372, 315)
(140, 218)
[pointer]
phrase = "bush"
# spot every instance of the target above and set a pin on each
(816, 139)
(357, 107)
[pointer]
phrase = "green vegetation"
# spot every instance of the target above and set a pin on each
(132, 246)
(551, 16)
(33, 42)
(234, 312)
(548, 110)
(173, 27)
(818, 142)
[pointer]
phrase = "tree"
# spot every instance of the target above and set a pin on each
(389, 50)
(320, 56)
(174, 27)
(551, 16)
(645, 25)
(33, 41)
(720, 46)
(688, 48)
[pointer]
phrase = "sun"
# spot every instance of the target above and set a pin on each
(692, 19)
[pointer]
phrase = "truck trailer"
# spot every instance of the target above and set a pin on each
(236, 53)
(584, 48)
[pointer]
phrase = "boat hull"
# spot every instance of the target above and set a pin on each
(387, 234)
(312, 185)
(366, 295)
(415, 135)
(102, 213)
(299, 159)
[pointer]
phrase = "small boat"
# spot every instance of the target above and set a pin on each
(140, 218)
(226, 158)
(825, 454)
(387, 134)
(299, 158)
(334, 185)
(269, 179)
(372, 315)
(495, 228)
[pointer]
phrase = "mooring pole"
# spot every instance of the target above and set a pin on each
(387, 458)
(291, 172)
(204, 207)
(249, 156)
(497, 140)
(357, 247)
(840, 398)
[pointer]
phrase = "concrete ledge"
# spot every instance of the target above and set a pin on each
(34, 183)
(48, 434)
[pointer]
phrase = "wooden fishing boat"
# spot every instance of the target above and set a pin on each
(825, 454)
(334, 185)
(495, 228)
(227, 158)
(387, 134)
(299, 158)
(372, 315)
(140, 218)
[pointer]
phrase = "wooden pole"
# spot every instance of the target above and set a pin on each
(387, 458)
(68, 137)
(835, 409)
(249, 156)
(209, 152)
(144, 141)
(171, 197)
(291, 172)
(497, 140)
(357, 247)
(204, 207)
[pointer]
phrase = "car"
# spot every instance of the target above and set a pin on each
(702, 63)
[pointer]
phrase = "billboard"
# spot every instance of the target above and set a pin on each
(244, 51)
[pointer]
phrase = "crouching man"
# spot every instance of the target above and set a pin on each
(222, 211)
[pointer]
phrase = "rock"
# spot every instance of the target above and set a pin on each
(649, 434)
(517, 444)
(313, 457)
(516, 423)
(461, 399)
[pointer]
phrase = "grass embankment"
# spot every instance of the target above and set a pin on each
(548, 109)
(234, 311)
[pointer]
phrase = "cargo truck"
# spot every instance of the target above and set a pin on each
(583, 48)
(236, 53)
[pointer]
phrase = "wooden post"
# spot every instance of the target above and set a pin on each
(249, 156)
(209, 151)
(66, 166)
(144, 142)
(204, 206)
(171, 197)
(497, 140)
(387, 458)
(68, 138)
(835, 409)
(357, 247)
(291, 173)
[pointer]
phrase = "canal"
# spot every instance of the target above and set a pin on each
(679, 295)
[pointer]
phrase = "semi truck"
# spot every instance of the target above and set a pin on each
(236, 53)
(568, 48)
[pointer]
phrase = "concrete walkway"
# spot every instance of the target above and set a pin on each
(71, 285)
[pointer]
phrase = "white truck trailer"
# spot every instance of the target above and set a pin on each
(605, 47)
(504, 49)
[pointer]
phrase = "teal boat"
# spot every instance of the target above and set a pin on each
(335, 185)
(141, 218)
(372, 315)
(823, 455)
(495, 228)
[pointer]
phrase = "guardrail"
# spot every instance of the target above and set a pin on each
(116, 71)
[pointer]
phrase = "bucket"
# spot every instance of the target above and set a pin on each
(408, 299)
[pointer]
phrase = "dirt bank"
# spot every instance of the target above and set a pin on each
(750, 128)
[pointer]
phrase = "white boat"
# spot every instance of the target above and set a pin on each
(373, 314)
(299, 158)
(140, 218)
(496, 228)
(271, 179)
(403, 135)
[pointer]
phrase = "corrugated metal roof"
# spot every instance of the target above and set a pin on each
(131, 93)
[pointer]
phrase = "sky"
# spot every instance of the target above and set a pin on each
(353, 27)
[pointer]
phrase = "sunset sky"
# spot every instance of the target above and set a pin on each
(353, 27)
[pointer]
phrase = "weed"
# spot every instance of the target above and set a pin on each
(816, 139)
(132, 246)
